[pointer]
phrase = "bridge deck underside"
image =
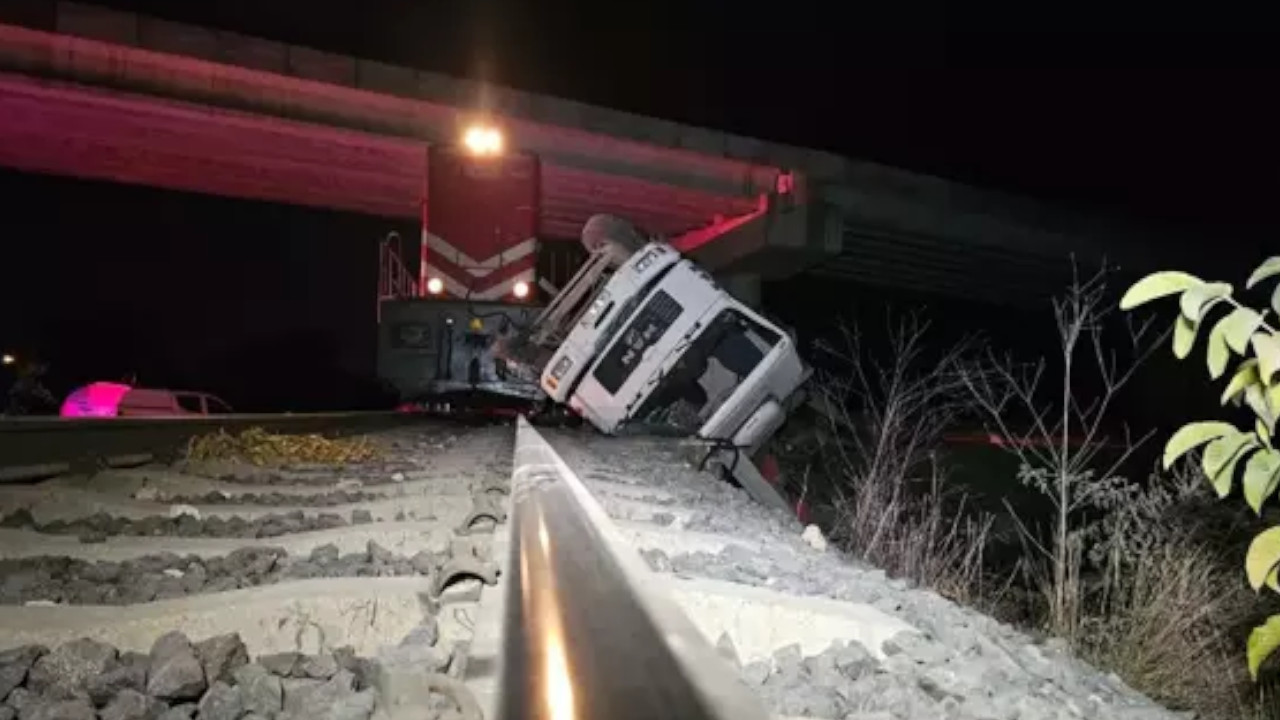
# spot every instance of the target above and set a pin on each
(881, 257)
(61, 128)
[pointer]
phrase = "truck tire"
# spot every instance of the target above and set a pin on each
(600, 230)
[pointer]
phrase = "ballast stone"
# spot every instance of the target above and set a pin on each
(960, 665)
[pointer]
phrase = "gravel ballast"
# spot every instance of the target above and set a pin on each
(100, 526)
(247, 582)
(961, 665)
(274, 499)
(217, 679)
(213, 679)
(167, 575)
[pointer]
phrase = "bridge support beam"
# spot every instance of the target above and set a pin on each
(787, 233)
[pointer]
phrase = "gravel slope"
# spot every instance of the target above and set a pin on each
(960, 665)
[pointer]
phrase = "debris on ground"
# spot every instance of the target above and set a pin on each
(814, 537)
(259, 447)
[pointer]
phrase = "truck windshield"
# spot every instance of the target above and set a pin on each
(622, 315)
(706, 375)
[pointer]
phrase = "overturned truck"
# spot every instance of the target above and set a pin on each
(642, 339)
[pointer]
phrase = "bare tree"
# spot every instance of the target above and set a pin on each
(892, 413)
(1064, 433)
(884, 420)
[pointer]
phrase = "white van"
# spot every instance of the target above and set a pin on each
(140, 402)
(117, 400)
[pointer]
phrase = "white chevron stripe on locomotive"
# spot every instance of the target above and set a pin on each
(494, 292)
(493, 262)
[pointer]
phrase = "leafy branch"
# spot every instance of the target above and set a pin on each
(1245, 332)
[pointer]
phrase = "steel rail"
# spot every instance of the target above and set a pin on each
(32, 448)
(588, 633)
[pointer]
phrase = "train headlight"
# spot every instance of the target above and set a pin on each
(483, 140)
(521, 290)
(645, 261)
(435, 286)
(561, 367)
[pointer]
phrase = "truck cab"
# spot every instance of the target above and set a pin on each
(607, 312)
(663, 345)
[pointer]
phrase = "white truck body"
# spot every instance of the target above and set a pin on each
(643, 338)
(661, 344)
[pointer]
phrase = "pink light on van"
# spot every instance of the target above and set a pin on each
(100, 399)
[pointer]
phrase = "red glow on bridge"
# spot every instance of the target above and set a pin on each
(60, 127)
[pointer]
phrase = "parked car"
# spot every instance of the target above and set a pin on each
(104, 399)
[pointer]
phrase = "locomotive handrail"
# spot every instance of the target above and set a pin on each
(588, 633)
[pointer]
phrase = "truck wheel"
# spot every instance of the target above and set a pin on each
(601, 230)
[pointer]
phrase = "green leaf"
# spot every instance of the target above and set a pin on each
(1256, 398)
(1261, 475)
(1184, 337)
(1269, 268)
(1239, 326)
(1275, 299)
(1263, 641)
(1219, 354)
(1260, 428)
(1196, 301)
(1246, 375)
(1267, 347)
(1156, 286)
(1193, 435)
(1238, 399)
(1262, 557)
(1222, 456)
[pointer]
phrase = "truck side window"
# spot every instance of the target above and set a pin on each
(189, 402)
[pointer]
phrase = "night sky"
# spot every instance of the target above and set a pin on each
(262, 304)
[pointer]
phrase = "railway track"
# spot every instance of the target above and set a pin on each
(479, 572)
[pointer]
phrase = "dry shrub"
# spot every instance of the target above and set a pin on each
(1132, 574)
(1062, 450)
(1171, 609)
(1141, 578)
(921, 537)
(1163, 625)
(891, 501)
(1150, 590)
(259, 447)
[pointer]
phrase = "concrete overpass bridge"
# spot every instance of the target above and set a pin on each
(101, 94)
